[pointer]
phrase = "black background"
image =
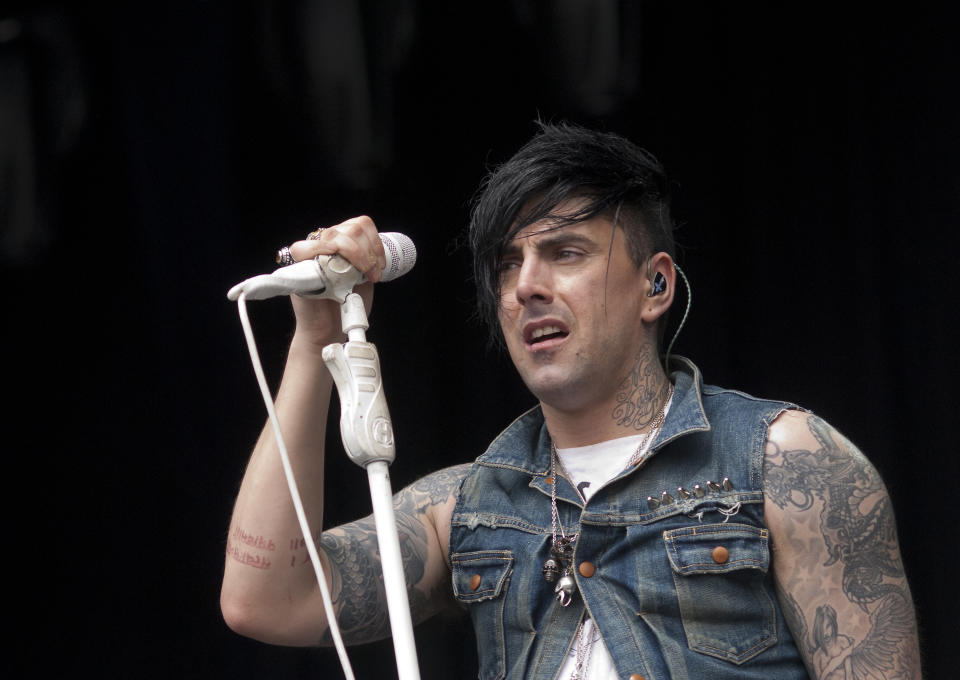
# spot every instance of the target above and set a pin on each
(174, 146)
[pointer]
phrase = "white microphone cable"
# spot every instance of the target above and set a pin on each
(294, 492)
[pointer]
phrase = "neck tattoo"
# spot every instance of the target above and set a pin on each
(639, 392)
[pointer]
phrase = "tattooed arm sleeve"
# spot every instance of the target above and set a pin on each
(836, 558)
(423, 523)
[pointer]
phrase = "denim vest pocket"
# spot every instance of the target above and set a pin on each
(480, 580)
(719, 571)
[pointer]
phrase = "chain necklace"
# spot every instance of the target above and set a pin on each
(584, 651)
(654, 428)
(560, 562)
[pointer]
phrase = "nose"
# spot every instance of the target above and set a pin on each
(534, 283)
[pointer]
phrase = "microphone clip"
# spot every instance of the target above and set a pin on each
(341, 278)
(365, 425)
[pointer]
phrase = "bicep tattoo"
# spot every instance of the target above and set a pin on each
(856, 520)
(357, 577)
(357, 581)
(854, 535)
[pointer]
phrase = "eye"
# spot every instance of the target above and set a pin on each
(567, 254)
(506, 266)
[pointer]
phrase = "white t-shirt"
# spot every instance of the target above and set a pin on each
(589, 468)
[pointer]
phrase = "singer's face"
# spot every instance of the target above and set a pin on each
(570, 311)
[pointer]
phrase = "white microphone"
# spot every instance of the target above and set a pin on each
(327, 276)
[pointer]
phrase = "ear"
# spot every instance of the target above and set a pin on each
(659, 287)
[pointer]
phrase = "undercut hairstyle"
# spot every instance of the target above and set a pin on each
(610, 175)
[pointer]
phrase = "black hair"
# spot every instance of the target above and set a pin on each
(611, 174)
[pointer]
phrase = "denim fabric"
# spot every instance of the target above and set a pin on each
(665, 607)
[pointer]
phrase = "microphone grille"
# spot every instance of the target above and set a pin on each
(401, 255)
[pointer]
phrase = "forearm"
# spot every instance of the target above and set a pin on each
(266, 576)
(269, 589)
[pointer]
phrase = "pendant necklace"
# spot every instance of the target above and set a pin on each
(560, 563)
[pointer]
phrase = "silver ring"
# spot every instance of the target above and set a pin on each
(285, 257)
(315, 234)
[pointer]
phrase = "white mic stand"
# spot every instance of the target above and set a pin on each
(367, 435)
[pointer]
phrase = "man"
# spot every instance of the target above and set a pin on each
(634, 524)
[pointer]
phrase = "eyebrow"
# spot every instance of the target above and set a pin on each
(549, 238)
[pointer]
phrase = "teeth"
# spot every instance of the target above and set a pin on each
(546, 330)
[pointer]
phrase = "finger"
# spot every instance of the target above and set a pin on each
(356, 240)
(357, 253)
(363, 230)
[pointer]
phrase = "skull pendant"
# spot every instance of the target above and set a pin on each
(551, 570)
(565, 590)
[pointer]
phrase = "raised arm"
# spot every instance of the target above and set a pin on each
(268, 593)
(836, 558)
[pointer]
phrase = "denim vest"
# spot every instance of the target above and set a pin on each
(667, 602)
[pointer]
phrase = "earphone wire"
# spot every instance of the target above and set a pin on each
(686, 313)
(294, 492)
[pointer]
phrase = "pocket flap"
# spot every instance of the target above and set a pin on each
(480, 575)
(717, 548)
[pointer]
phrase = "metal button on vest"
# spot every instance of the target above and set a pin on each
(721, 555)
(475, 581)
(636, 676)
(587, 569)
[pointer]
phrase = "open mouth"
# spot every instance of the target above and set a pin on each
(544, 334)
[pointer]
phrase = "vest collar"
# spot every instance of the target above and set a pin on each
(512, 447)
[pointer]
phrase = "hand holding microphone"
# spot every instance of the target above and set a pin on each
(328, 272)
